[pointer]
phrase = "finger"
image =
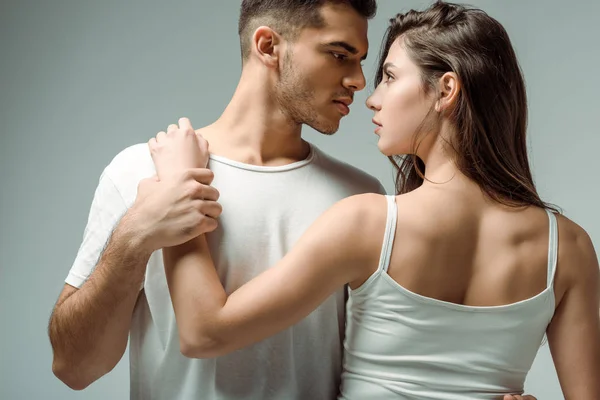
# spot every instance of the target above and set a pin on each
(202, 175)
(205, 192)
(201, 191)
(153, 147)
(160, 136)
(185, 124)
(152, 144)
(209, 193)
(208, 225)
(202, 143)
(211, 209)
(171, 128)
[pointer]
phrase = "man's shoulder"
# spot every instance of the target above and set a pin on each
(129, 167)
(134, 157)
(347, 174)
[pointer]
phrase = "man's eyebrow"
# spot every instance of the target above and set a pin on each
(346, 46)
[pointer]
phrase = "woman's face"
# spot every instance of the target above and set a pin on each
(400, 103)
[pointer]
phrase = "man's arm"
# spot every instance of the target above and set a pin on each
(89, 327)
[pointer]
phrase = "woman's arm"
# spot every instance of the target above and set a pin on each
(574, 332)
(332, 252)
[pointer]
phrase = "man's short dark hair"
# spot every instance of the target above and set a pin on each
(289, 17)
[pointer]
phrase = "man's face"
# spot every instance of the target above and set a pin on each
(322, 69)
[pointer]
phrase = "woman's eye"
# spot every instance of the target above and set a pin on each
(388, 77)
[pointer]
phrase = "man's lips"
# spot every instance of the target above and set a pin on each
(343, 106)
(345, 100)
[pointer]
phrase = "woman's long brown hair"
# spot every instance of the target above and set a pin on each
(491, 113)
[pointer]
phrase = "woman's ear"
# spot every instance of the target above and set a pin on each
(267, 46)
(449, 89)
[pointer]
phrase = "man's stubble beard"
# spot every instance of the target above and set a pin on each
(296, 99)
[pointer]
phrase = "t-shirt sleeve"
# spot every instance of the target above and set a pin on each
(106, 210)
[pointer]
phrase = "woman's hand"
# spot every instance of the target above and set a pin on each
(178, 150)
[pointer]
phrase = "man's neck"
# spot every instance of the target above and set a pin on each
(253, 129)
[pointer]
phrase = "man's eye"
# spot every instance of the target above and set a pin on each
(340, 57)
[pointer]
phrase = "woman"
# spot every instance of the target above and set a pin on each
(471, 273)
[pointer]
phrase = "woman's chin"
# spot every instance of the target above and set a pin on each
(385, 150)
(393, 148)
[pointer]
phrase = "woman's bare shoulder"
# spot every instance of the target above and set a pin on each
(576, 254)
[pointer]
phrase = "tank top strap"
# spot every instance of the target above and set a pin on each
(552, 247)
(390, 232)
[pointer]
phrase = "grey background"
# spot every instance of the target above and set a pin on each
(81, 80)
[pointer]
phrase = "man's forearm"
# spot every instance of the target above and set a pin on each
(89, 329)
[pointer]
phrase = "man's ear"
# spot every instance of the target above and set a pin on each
(267, 46)
(449, 89)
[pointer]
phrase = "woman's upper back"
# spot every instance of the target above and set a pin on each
(461, 248)
(467, 251)
(459, 302)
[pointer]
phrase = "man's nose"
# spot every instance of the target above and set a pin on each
(356, 81)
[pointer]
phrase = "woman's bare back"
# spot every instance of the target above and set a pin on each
(458, 246)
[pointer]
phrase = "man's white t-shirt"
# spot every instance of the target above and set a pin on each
(265, 211)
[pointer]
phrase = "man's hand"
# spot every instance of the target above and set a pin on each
(517, 397)
(173, 211)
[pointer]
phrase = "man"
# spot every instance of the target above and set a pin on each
(301, 65)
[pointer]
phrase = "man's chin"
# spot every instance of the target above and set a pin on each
(326, 127)
(328, 132)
